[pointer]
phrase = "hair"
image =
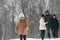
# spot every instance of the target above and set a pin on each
(47, 11)
(42, 15)
(54, 15)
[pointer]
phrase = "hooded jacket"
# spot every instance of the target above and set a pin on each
(22, 26)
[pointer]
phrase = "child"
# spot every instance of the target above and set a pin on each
(21, 27)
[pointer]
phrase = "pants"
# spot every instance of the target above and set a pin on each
(55, 33)
(22, 37)
(42, 34)
(48, 31)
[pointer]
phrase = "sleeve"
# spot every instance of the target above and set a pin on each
(16, 27)
(58, 24)
(45, 18)
(27, 28)
(42, 22)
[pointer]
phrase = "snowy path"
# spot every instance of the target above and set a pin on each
(38, 39)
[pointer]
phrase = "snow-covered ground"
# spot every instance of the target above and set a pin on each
(39, 39)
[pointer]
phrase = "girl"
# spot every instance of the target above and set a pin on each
(42, 26)
(21, 27)
(55, 26)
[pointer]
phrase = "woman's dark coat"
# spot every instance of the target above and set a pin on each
(55, 24)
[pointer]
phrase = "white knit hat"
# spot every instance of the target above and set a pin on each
(21, 15)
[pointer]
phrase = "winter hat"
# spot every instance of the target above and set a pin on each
(21, 15)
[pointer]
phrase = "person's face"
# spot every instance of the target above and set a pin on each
(54, 17)
(47, 13)
(43, 17)
(22, 18)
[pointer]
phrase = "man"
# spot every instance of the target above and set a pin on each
(48, 19)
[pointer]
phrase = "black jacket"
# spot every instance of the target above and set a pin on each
(48, 19)
(55, 24)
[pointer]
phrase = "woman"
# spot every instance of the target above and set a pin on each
(42, 26)
(55, 26)
(21, 27)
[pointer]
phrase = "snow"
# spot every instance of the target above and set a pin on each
(38, 39)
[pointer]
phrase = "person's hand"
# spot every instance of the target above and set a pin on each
(46, 22)
(16, 31)
(27, 28)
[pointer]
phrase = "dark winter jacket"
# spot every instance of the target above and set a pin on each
(55, 24)
(48, 19)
